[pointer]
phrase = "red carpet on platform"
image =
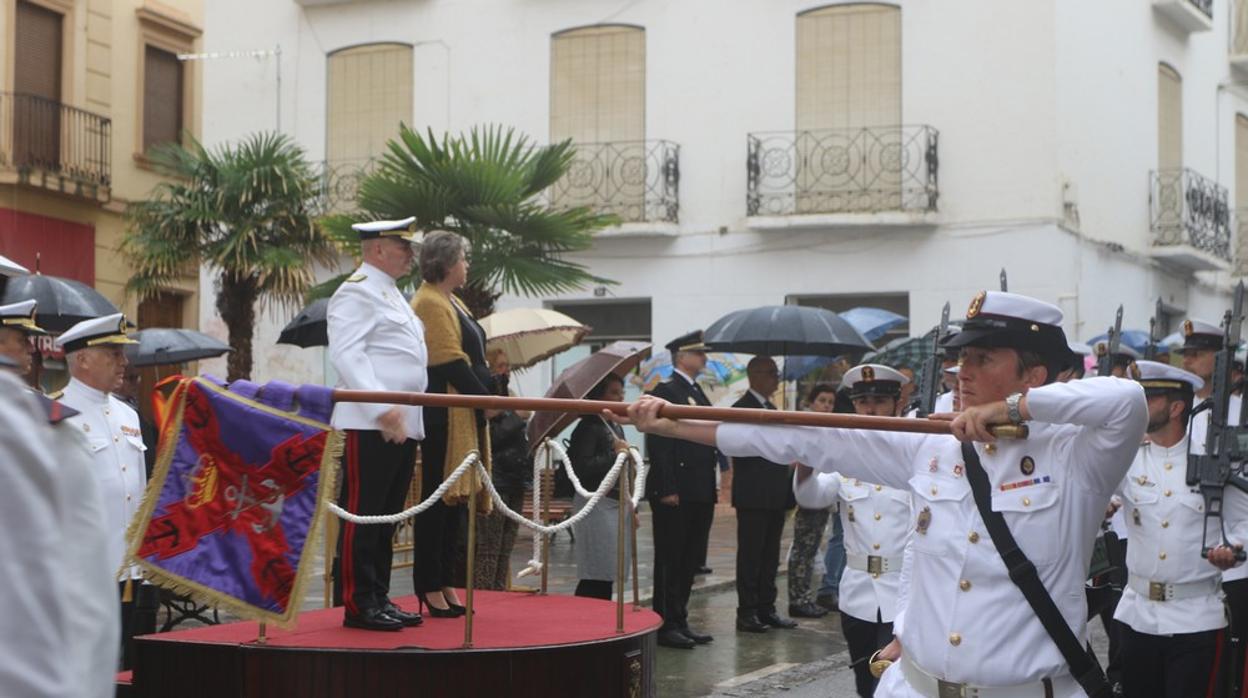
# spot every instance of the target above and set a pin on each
(504, 620)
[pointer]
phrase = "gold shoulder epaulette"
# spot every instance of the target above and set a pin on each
(356, 278)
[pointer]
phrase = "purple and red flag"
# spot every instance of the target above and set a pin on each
(233, 502)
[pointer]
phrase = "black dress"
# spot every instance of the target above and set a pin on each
(436, 530)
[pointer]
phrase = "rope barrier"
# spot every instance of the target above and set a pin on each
(473, 460)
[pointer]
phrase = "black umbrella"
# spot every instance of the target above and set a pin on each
(159, 346)
(785, 330)
(309, 328)
(63, 303)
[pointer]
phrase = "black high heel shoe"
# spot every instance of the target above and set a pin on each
(434, 610)
(457, 608)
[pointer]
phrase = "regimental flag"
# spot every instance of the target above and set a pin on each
(233, 503)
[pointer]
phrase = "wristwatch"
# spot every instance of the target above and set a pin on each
(1011, 408)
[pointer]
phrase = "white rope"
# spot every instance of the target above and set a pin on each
(469, 460)
(473, 459)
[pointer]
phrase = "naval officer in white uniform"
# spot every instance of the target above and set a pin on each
(97, 362)
(968, 629)
(877, 522)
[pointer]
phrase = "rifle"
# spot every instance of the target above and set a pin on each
(1154, 324)
(1105, 350)
(1226, 445)
(929, 386)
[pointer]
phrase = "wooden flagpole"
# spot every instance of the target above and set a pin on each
(719, 414)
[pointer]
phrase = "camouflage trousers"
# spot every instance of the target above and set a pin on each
(808, 528)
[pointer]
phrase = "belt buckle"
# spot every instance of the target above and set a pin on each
(1156, 591)
(875, 564)
(948, 689)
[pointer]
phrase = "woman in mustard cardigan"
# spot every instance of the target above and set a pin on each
(457, 364)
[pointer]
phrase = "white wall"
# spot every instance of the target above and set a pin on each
(1026, 95)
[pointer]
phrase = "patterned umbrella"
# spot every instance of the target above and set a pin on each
(904, 352)
(530, 335)
(873, 323)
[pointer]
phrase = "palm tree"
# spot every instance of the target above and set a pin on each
(245, 212)
(486, 186)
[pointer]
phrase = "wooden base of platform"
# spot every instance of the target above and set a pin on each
(524, 645)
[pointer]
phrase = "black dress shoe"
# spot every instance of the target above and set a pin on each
(703, 570)
(807, 610)
(409, 620)
(776, 621)
(750, 624)
(372, 619)
(829, 601)
(672, 637)
(696, 637)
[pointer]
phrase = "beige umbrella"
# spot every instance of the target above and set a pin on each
(528, 335)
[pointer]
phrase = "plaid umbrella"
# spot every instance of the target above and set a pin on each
(904, 352)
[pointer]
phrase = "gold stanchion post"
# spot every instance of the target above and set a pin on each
(548, 489)
(632, 534)
(472, 554)
(621, 538)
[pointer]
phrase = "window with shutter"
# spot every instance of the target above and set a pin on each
(162, 97)
(37, 83)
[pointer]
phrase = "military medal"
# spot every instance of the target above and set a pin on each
(925, 520)
(1027, 465)
(850, 512)
(957, 470)
(1135, 516)
(933, 464)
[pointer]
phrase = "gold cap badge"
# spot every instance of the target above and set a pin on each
(977, 304)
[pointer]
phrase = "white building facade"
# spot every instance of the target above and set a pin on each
(796, 151)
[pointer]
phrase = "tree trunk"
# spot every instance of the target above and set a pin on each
(479, 299)
(236, 302)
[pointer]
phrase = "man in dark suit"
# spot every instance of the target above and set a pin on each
(681, 492)
(761, 494)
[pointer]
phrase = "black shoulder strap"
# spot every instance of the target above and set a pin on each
(1023, 573)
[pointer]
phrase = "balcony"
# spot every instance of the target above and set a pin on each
(875, 175)
(53, 146)
(1189, 15)
(1190, 220)
(637, 181)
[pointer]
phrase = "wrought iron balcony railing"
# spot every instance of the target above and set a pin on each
(846, 170)
(1187, 208)
(1205, 7)
(42, 138)
(340, 183)
(638, 181)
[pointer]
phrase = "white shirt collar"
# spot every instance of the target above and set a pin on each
(684, 375)
(86, 392)
(376, 274)
(1179, 450)
(758, 396)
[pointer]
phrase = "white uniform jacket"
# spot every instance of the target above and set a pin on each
(115, 441)
(1052, 488)
(1198, 431)
(1171, 588)
(376, 342)
(877, 521)
(61, 605)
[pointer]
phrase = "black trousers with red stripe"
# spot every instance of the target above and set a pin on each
(375, 478)
(1167, 666)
